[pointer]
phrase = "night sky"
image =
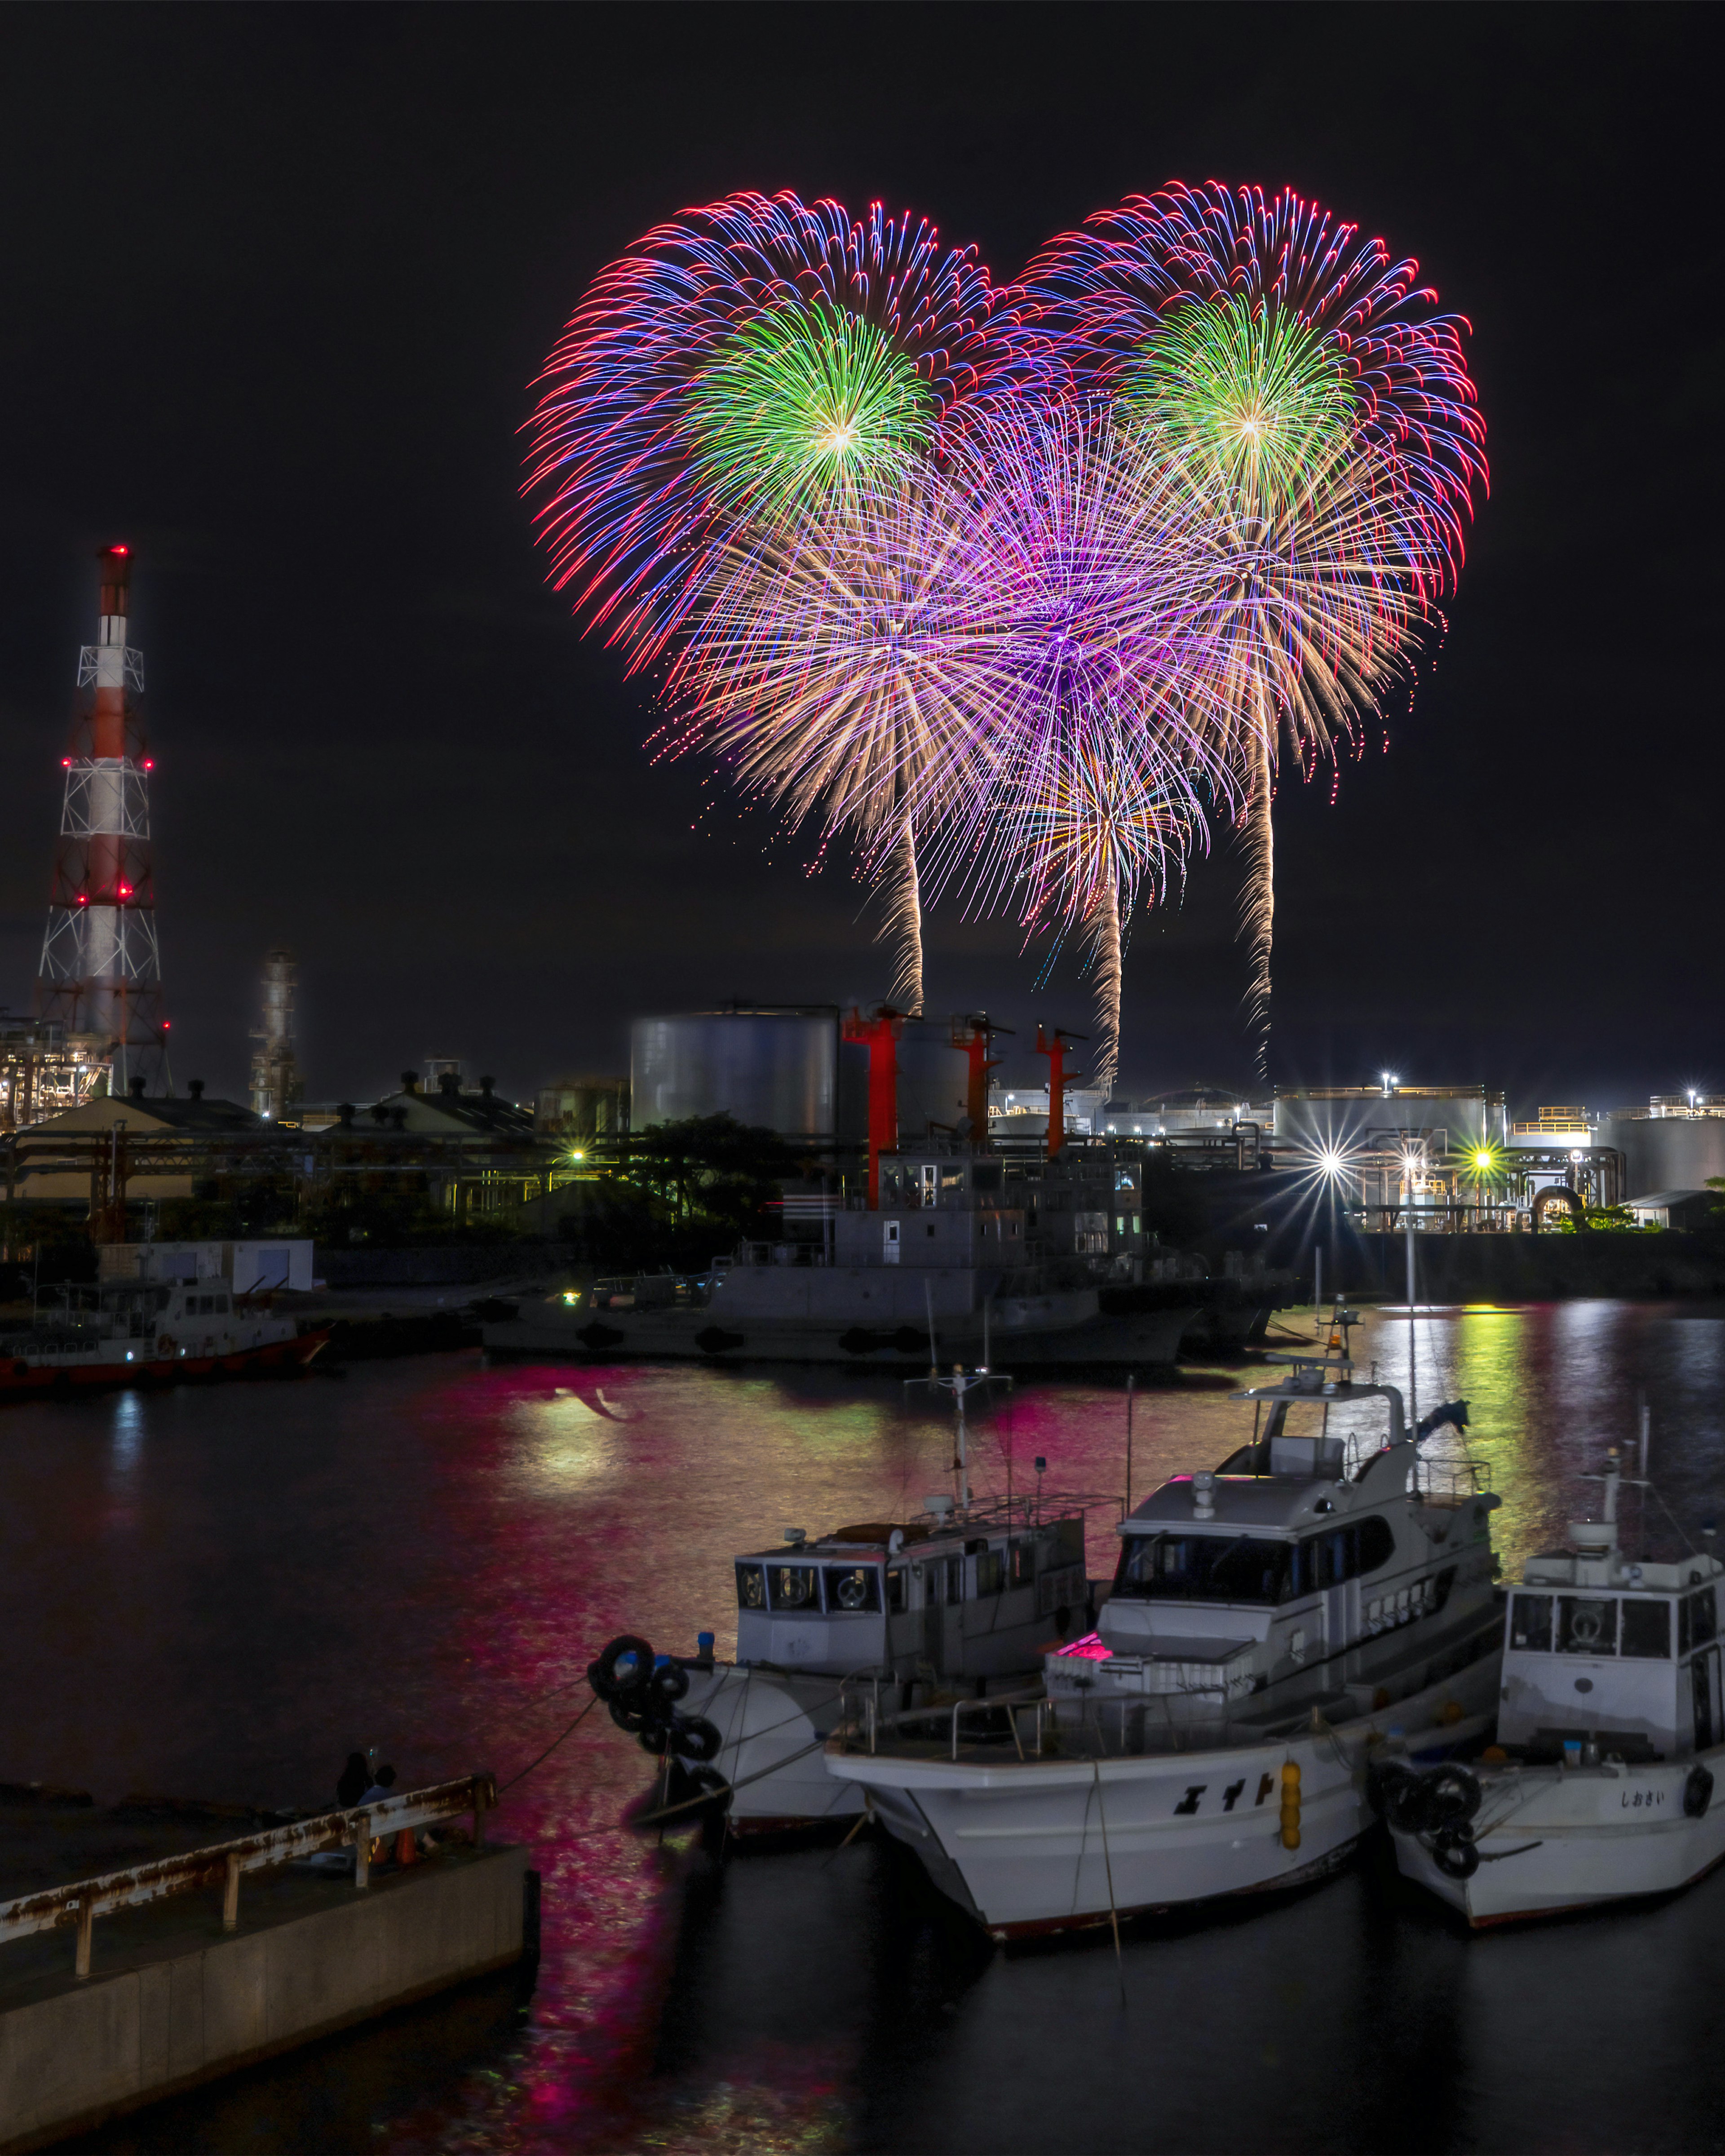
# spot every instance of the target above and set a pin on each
(274, 282)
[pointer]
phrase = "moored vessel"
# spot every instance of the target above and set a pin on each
(1321, 1598)
(1014, 1252)
(1602, 1783)
(945, 1606)
(139, 1330)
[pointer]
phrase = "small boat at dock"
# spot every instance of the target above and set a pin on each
(1610, 1745)
(146, 1331)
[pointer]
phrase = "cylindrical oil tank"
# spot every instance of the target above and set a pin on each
(1670, 1152)
(778, 1070)
(933, 1083)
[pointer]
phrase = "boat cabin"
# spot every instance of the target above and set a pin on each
(1323, 1558)
(1605, 1651)
(959, 1594)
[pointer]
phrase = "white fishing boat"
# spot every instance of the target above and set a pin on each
(1601, 1784)
(1325, 1595)
(965, 1598)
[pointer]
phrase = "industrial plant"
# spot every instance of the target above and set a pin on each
(869, 1109)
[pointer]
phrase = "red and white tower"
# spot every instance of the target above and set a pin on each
(101, 975)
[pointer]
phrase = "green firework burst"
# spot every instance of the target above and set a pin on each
(1265, 399)
(803, 400)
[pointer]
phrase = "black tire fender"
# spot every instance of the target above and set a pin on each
(670, 1683)
(1698, 1793)
(631, 1715)
(696, 1740)
(1452, 1796)
(610, 1682)
(1455, 1853)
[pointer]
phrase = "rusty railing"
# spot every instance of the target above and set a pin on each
(83, 1901)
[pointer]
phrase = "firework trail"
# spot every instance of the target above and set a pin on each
(1301, 380)
(741, 362)
(1093, 828)
(840, 663)
(1110, 577)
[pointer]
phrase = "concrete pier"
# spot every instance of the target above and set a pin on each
(184, 1987)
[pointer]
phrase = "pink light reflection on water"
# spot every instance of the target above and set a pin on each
(615, 1498)
(226, 1590)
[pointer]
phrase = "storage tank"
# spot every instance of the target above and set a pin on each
(933, 1084)
(1666, 1146)
(777, 1069)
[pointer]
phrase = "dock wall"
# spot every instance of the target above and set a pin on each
(81, 2051)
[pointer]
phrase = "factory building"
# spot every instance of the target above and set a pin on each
(1675, 1143)
(582, 1107)
(474, 1153)
(1205, 1110)
(114, 1148)
(44, 1070)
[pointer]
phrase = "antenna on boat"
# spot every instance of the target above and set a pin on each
(1413, 1328)
(960, 1385)
(1130, 1387)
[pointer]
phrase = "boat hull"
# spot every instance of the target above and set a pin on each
(23, 1378)
(1554, 1838)
(704, 1336)
(773, 1725)
(1066, 1843)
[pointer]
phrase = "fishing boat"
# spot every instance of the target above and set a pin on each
(1609, 1739)
(1323, 1596)
(959, 1601)
(132, 1332)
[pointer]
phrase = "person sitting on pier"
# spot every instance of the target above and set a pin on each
(356, 1775)
(406, 1849)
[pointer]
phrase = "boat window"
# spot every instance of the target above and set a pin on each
(1205, 1568)
(990, 1572)
(1647, 1631)
(895, 1589)
(1530, 1622)
(793, 1586)
(218, 1303)
(1342, 1553)
(985, 1175)
(751, 1586)
(1697, 1620)
(856, 1588)
(1024, 1563)
(1586, 1625)
(955, 1579)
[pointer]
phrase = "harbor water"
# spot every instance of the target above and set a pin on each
(219, 1593)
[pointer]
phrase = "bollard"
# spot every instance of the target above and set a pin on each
(479, 1824)
(362, 1852)
(230, 1898)
(1290, 1806)
(87, 1924)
